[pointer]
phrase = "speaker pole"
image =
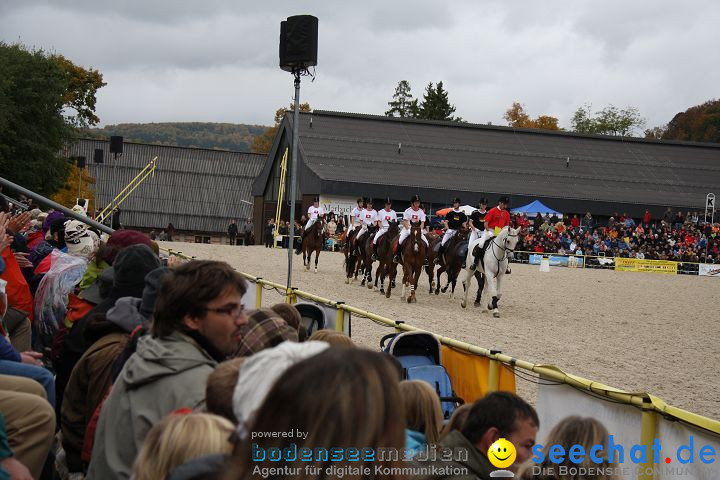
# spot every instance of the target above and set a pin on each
(293, 175)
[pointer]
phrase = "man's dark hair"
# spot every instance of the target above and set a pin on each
(188, 289)
(81, 202)
(500, 410)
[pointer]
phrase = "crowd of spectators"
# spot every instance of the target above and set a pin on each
(677, 236)
(116, 362)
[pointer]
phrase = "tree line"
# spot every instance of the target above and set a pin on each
(700, 123)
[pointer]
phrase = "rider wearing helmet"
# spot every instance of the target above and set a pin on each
(496, 219)
(385, 216)
(356, 218)
(477, 220)
(314, 211)
(368, 216)
(454, 219)
(412, 215)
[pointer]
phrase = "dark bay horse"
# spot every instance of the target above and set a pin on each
(414, 252)
(313, 240)
(432, 252)
(451, 261)
(365, 260)
(384, 250)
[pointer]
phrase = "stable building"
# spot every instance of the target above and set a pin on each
(342, 156)
(197, 190)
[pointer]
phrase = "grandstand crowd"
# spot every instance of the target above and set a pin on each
(678, 237)
(118, 363)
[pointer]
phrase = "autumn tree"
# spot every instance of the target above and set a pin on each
(608, 121)
(77, 179)
(43, 99)
(516, 117)
(263, 143)
(700, 123)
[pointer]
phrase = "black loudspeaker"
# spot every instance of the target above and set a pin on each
(116, 144)
(98, 156)
(298, 42)
(80, 161)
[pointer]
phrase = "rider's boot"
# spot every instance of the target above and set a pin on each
(373, 257)
(441, 251)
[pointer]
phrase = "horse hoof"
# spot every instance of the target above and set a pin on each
(496, 314)
(437, 292)
(476, 304)
(387, 294)
(307, 267)
(370, 287)
(316, 270)
(347, 280)
(463, 305)
(382, 291)
(490, 307)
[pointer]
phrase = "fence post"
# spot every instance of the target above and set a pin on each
(258, 292)
(493, 372)
(340, 317)
(291, 297)
(647, 437)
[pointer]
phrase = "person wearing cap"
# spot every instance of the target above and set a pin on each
(197, 323)
(369, 217)
(92, 375)
(412, 215)
(385, 216)
(129, 270)
(314, 211)
(496, 219)
(477, 220)
(454, 219)
(356, 219)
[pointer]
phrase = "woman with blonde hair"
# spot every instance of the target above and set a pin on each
(457, 420)
(179, 438)
(423, 414)
(573, 430)
(333, 337)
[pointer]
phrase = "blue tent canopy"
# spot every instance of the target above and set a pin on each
(535, 207)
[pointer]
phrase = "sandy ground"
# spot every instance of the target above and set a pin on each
(640, 332)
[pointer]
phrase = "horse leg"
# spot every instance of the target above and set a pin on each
(414, 285)
(492, 292)
(466, 285)
(481, 281)
(317, 255)
(439, 272)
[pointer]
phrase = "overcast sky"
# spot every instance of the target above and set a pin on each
(217, 60)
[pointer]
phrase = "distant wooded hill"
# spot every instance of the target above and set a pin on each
(219, 136)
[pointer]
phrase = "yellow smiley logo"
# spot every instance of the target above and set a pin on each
(502, 453)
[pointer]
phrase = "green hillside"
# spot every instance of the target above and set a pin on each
(220, 136)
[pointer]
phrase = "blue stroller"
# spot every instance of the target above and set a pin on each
(419, 354)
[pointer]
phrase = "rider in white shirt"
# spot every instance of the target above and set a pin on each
(413, 214)
(313, 213)
(385, 216)
(368, 216)
(356, 218)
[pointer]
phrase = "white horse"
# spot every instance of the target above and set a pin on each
(492, 268)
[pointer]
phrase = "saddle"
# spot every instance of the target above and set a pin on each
(479, 253)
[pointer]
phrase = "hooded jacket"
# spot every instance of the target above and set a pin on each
(92, 375)
(164, 374)
(477, 466)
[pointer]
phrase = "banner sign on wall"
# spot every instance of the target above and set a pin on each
(557, 261)
(653, 266)
(708, 270)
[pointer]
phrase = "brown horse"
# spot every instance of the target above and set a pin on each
(451, 261)
(313, 240)
(365, 260)
(385, 252)
(353, 255)
(414, 252)
(432, 251)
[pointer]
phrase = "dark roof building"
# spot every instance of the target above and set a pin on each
(377, 156)
(197, 190)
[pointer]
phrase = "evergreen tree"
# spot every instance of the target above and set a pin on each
(436, 105)
(402, 104)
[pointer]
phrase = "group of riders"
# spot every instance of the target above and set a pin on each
(481, 223)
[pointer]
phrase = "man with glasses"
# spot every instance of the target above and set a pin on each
(196, 324)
